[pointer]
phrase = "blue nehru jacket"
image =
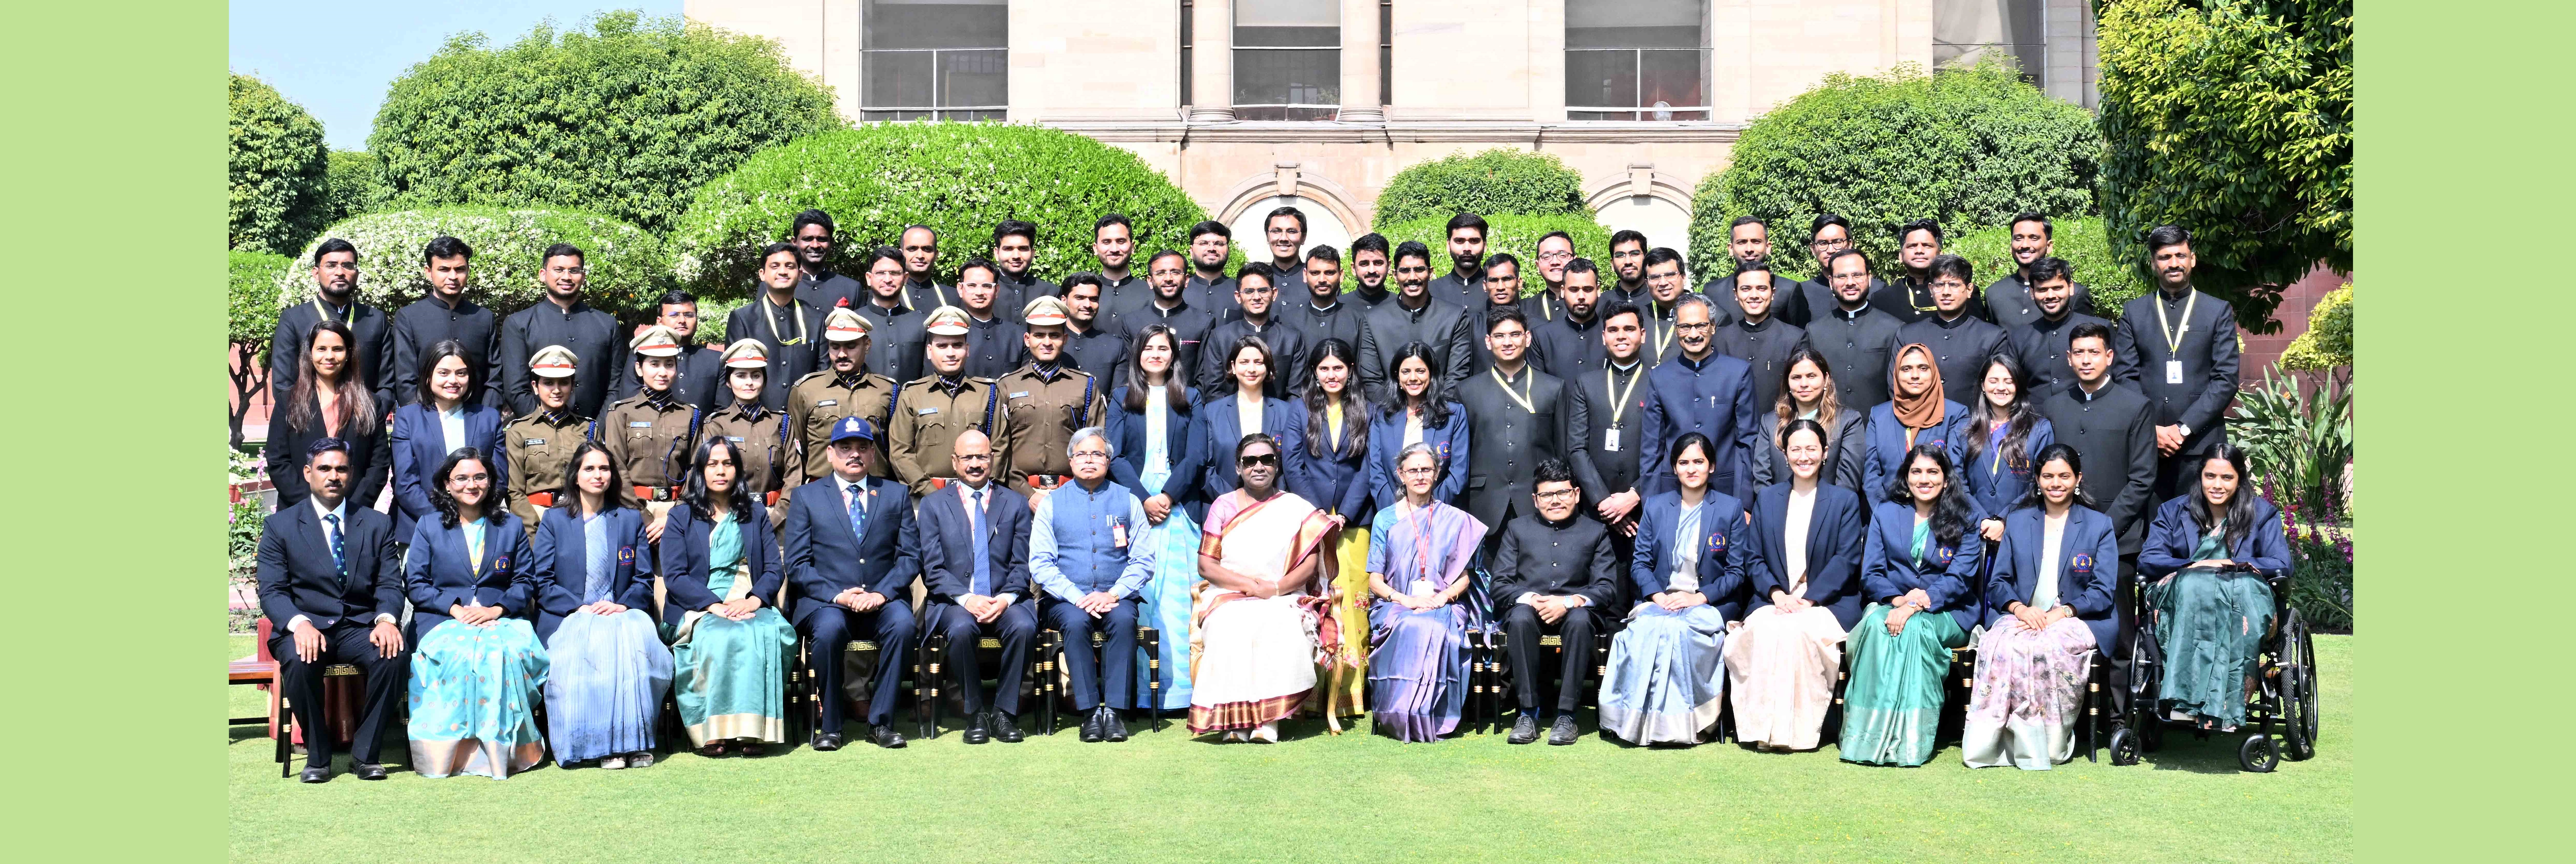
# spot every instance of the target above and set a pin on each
(1083, 541)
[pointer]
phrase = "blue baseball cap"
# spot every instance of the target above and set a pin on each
(853, 427)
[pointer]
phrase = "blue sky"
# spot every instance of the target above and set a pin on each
(336, 58)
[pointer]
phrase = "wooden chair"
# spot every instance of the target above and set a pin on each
(1149, 643)
(342, 684)
(1502, 676)
(935, 650)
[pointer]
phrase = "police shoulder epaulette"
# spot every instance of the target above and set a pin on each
(1082, 410)
(591, 434)
(809, 376)
(992, 397)
(894, 392)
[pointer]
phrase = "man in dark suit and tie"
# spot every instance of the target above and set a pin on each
(1554, 571)
(331, 585)
(2113, 428)
(2178, 347)
(974, 539)
(850, 555)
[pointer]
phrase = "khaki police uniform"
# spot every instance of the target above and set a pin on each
(927, 419)
(540, 448)
(821, 399)
(1041, 410)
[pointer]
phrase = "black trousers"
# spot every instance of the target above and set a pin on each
(1016, 627)
(1524, 628)
(830, 627)
(2123, 666)
(1117, 653)
(345, 642)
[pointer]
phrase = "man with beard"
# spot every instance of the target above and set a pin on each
(1502, 288)
(1814, 298)
(443, 314)
(898, 327)
(1113, 242)
(2041, 344)
(1208, 288)
(1628, 261)
(1371, 263)
(1324, 315)
(1909, 298)
(561, 319)
(1757, 337)
(1015, 249)
(1170, 306)
(1858, 340)
(2178, 346)
(818, 286)
(1465, 281)
(1701, 391)
(335, 298)
(2009, 299)
(1415, 316)
(1569, 346)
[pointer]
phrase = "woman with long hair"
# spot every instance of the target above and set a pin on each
(476, 664)
(1416, 409)
(2209, 552)
(443, 417)
(594, 596)
(1808, 538)
(2003, 430)
(1917, 414)
(1417, 568)
(1158, 458)
(1331, 471)
(1249, 409)
(329, 400)
(1917, 567)
(2050, 606)
(721, 575)
(1667, 673)
(1807, 393)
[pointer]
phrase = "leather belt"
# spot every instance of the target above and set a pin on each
(658, 493)
(543, 500)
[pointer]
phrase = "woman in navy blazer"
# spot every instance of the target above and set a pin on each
(1806, 595)
(420, 439)
(721, 576)
(1917, 572)
(1416, 397)
(1331, 472)
(1220, 422)
(1667, 669)
(2049, 610)
(1156, 381)
(476, 661)
(2210, 552)
(1918, 415)
(593, 599)
(2002, 432)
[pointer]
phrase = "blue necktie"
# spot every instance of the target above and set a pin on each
(858, 514)
(331, 533)
(983, 562)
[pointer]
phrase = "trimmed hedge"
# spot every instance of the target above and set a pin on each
(626, 264)
(278, 168)
(958, 178)
(625, 119)
(1500, 180)
(252, 296)
(1508, 233)
(2328, 342)
(2114, 282)
(1969, 146)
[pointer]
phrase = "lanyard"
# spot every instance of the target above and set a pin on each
(2165, 328)
(772, 320)
(325, 311)
(1422, 541)
(1522, 397)
(1663, 339)
(1619, 404)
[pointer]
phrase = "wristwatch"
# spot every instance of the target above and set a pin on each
(2186, 429)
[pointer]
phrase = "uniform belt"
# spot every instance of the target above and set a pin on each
(1049, 481)
(769, 498)
(939, 483)
(658, 493)
(543, 500)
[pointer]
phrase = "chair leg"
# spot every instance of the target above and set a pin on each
(1051, 648)
(1150, 641)
(285, 739)
(934, 652)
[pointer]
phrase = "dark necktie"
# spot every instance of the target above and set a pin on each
(858, 514)
(331, 534)
(983, 561)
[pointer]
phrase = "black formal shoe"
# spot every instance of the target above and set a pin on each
(370, 771)
(1524, 730)
(1563, 733)
(1004, 729)
(975, 731)
(827, 741)
(1112, 728)
(1091, 727)
(316, 774)
(886, 737)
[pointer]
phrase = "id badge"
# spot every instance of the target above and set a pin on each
(2173, 371)
(1118, 534)
(1610, 440)
(1421, 588)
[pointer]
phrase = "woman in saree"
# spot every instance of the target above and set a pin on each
(1331, 472)
(1807, 538)
(476, 664)
(729, 652)
(1417, 568)
(1256, 630)
(1917, 414)
(1159, 460)
(1916, 568)
(609, 667)
(1666, 672)
(2209, 552)
(2049, 605)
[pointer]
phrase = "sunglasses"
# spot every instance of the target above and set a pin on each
(1271, 459)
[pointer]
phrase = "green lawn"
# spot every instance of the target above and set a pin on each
(1358, 797)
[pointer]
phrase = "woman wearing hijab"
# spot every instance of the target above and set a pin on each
(2050, 606)
(595, 587)
(1417, 568)
(2209, 552)
(1693, 546)
(1807, 535)
(1917, 415)
(478, 663)
(1921, 557)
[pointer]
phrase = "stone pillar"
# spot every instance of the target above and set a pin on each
(1212, 61)
(1361, 101)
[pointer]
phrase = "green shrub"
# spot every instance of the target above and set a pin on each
(357, 184)
(626, 265)
(1511, 233)
(278, 168)
(2321, 575)
(2328, 342)
(252, 296)
(625, 119)
(958, 178)
(1500, 180)
(1970, 146)
(2232, 118)
(2299, 440)
(2080, 241)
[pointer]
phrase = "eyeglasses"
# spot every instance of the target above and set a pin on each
(1694, 328)
(1418, 471)
(1088, 455)
(1270, 459)
(1829, 244)
(1556, 255)
(974, 458)
(1557, 495)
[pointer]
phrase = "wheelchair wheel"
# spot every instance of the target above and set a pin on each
(2307, 698)
(2124, 746)
(2151, 731)
(2295, 720)
(2258, 755)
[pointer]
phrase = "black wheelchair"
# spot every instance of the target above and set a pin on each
(2280, 711)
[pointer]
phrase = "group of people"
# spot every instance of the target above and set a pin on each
(1323, 497)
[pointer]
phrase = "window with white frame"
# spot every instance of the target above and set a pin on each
(1287, 59)
(1636, 60)
(1965, 31)
(934, 59)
